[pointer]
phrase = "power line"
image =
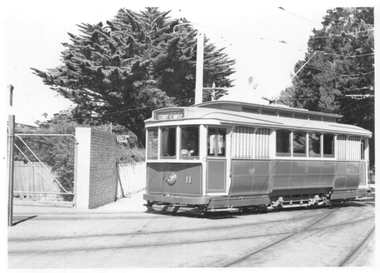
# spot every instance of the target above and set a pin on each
(324, 18)
(342, 34)
(286, 43)
(281, 8)
(343, 75)
(251, 36)
(349, 56)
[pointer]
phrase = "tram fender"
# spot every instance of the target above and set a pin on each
(176, 199)
(238, 201)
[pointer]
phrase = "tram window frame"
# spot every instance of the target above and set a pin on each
(213, 151)
(152, 141)
(328, 146)
(312, 152)
(189, 146)
(166, 151)
(296, 153)
(362, 149)
(282, 143)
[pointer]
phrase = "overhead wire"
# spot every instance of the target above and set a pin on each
(348, 56)
(341, 34)
(127, 109)
(251, 36)
(343, 75)
(300, 16)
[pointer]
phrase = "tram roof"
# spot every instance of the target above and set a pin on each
(252, 107)
(258, 115)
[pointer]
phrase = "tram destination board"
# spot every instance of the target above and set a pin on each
(170, 115)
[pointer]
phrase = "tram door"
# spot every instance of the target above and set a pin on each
(216, 160)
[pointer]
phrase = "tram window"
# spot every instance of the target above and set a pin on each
(216, 139)
(328, 145)
(168, 142)
(299, 144)
(152, 144)
(283, 143)
(189, 142)
(314, 145)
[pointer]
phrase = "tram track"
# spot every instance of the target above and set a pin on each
(285, 236)
(308, 229)
(255, 251)
(356, 249)
(163, 231)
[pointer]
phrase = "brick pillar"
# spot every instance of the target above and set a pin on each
(96, 172)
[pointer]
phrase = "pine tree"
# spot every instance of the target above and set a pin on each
(122, 70)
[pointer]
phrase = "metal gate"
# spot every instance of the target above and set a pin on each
(45, 172)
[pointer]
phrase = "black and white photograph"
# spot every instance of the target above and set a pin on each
(180, 135)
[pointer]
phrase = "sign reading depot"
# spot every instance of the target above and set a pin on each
(169, 115)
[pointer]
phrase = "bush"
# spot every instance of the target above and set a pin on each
(130, 155)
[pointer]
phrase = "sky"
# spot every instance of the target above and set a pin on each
(265, 41)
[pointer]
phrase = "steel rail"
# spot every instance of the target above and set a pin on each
(164, 231)
(255, 251)
(352, 253)
(163, 244)
(201, 229)
(139, 246)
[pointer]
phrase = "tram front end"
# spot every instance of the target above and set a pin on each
(175, 171)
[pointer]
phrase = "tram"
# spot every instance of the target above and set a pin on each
(235, 155)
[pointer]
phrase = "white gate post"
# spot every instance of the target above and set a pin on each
(82, 168)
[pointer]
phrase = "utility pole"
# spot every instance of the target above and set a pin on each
(199, 63)
(11, 126)
(10, 140)
(199, 67)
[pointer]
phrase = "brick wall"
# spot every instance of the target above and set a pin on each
(96, 173)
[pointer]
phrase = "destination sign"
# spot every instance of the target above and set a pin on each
(169, 115)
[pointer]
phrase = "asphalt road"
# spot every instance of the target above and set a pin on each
(117, 238)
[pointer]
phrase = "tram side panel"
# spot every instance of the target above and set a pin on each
(250, 177)
(183, 179)
(297, 179)
(347, 180)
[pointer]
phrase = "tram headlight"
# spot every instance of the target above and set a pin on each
(171, 179)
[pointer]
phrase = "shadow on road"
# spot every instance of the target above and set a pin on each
(23, 219)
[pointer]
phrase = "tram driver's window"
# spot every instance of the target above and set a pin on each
(283, 143)
(216, 142)
(168, 142)
(189, 142)
(328, 145)
(152, 144)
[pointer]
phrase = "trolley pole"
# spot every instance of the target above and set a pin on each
(11, 126)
